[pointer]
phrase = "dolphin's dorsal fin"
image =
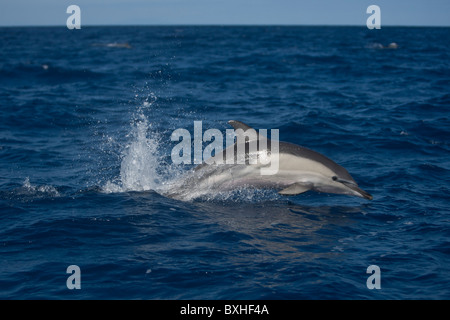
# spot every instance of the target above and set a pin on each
(239, 125)
(295, 188)
(245, 130)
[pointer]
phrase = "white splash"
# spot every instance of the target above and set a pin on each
(138, 170)
(143, 168)
(140, 157)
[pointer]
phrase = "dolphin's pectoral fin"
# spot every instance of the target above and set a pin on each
(295, 188)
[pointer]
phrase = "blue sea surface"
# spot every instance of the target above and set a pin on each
(85, 125)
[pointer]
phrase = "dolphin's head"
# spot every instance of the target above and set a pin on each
(336, 179)
(314, 170)
(349, 186)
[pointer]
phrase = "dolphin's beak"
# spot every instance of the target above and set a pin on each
(360, 192)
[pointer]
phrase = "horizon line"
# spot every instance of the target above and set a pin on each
(222, 25)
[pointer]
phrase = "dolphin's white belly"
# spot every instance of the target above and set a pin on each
(291, 170)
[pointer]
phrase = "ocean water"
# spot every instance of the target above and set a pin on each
(85, 125)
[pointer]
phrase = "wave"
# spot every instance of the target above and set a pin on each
(28, 192)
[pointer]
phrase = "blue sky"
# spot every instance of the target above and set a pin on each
(242, 12)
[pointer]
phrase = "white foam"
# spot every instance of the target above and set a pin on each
(43, 189)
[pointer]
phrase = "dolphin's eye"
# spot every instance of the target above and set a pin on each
(334, 178)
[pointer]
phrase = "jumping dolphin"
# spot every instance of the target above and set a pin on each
(299, 170)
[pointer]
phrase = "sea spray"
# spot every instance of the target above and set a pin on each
(143, 163)
(138, 170)
(140, 156)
